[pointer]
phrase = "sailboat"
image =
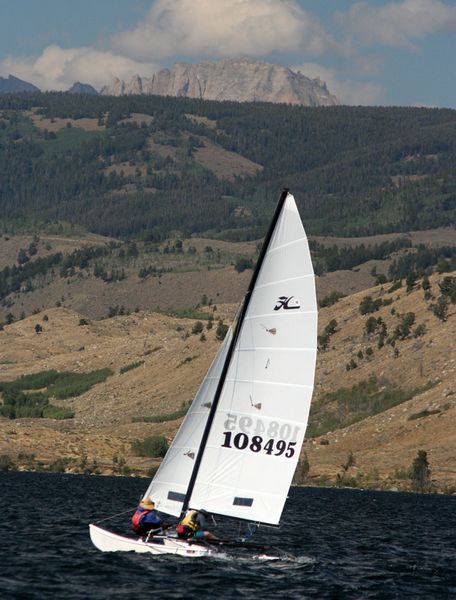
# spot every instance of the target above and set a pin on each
(238, 447)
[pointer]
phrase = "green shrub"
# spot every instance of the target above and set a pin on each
(18, 404)
(186, 313)
(177, 414)
(329, 330)
(369, 305)
(410, 281)
(424, 413)
(197, 328)
(34, 381)
(153, 446)
(69, 385)
(402, 330)
(331, 299)
(6, 462)
(57, 412)
(243, 263)
(426, 284)
(59, 465)
(370, 325)
(396, 286)
(440, 309)
(419, 330)
(420, 472)
(131, 366)
(350, 405)
(381, 279)
(221, 330)
(448, 288)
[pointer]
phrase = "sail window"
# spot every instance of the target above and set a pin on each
(176, 496)
(242, 501)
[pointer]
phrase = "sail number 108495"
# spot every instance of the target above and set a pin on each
(241, 441)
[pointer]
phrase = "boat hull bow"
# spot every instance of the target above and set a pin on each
(108, 541)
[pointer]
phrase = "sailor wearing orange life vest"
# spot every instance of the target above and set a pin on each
(193, 525)
(146, 518)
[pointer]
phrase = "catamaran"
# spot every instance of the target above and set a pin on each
(238, 447)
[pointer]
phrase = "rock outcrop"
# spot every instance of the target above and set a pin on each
(240, 80)
(82, 88)
(11, 84)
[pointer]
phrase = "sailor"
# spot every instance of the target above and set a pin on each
(146, 518)
(193, 525)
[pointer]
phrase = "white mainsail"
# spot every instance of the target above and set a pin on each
(258, 428)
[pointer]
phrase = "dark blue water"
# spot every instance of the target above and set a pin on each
(340, 544)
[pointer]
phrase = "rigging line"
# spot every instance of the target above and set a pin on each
(116, 515)
(232, 345)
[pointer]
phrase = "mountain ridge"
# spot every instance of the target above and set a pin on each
(12, 84)
(239, 80)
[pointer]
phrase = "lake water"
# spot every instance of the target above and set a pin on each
(338, 544)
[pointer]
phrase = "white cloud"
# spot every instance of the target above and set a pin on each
(347, 91)
(398, 23)
(223, 28)
(58, 68)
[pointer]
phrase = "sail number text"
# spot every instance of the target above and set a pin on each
(270, 437)
(241, 441)
(255, 426)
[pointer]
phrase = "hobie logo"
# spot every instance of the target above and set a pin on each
(287, 303)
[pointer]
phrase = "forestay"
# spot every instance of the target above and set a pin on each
(259, 426)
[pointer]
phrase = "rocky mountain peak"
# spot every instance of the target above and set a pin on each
(82, 88)
(13, 84)
(239, 80)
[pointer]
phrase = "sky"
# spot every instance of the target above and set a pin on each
(369, 52)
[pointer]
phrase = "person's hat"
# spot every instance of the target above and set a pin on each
(147, 503)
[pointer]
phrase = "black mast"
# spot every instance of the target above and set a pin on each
(226, 365)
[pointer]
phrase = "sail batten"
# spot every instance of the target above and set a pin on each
(285, 384)
(263, 285)
(273, 349)
(288, 244)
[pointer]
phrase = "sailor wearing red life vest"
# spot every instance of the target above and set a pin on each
(146, 518)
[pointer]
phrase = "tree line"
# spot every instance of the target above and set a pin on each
(354, 170)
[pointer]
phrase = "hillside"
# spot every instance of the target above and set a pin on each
(414, 371)
(151, 167)
(99, 277)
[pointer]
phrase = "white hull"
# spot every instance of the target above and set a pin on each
(107, 541)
